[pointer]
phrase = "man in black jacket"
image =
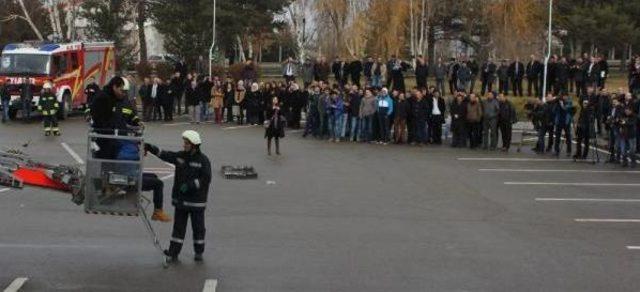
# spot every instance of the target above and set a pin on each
(26, 97)
(147, 102)
(419, 110)
(591, 70)
(584, 129)
(111, 110)
(5, 98)
(516, 73)
(546, 124)
(355, 68)
(503, 77)
(422, 73)
(562, 77)
(458, 111)
(506, 118)
(533, 70)
(368, 70)
(337, 67)
(603, 72)
(189, 193)
(488, 75)
(578, 76)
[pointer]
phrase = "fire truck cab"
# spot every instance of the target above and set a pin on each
(67, 65)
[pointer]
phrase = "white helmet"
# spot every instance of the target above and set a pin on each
(192, 136)
(126, 84)
(47, 85)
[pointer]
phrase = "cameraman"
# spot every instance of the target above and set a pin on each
(546, 123)
(563, 119)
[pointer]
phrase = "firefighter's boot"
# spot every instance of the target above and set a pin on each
(160, 215)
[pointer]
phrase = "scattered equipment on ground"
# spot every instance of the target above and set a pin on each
(238, 172)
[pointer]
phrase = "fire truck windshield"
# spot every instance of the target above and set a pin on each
(24, 64)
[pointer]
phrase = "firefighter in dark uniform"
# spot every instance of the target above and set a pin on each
(48, 105)
(91, 91)
(189, 194)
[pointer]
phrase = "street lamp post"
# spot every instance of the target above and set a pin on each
(213, 40)
(546, 59)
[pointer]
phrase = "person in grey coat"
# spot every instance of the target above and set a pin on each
(440, 72)
(490, 110)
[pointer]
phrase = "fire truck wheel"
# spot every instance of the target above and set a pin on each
(67, 106)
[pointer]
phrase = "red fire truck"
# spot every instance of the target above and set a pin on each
(67, 65)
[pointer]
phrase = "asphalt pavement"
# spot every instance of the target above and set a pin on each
(336, 217)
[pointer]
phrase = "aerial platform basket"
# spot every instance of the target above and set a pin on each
(113, 183)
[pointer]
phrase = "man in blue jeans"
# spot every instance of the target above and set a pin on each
(5, 98)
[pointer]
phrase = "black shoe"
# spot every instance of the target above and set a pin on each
(47, 134)
(198, 258)
(170, 258)
(56, 133)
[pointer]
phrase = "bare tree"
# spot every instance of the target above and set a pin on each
(298, 15)
(25, 16)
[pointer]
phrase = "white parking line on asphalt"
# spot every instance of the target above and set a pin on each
(176, 124)
(16, 284)
(50, 246)
(575, 184)
(4, 190)
(598, 200)
(633, 247)
(512, 159)
(556, 170)
(585, 220)
(210, 285)
(237, 127)
(72, 153)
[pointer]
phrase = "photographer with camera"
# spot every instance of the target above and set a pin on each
(563, 119)
(612, 125)
(544, 113)
(585, 129)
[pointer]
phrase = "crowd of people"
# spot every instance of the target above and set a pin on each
(368, 102)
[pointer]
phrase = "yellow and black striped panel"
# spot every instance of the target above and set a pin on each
(112, 213)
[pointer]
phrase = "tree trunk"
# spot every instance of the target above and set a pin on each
(56, 15)
(27, 18)
(142, 36)
(52, 18)
(241, 56)
(412, 33)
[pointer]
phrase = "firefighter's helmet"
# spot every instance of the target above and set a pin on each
(192, 136)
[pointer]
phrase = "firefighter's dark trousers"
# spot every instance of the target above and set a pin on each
(180, 228)
(51, 124)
